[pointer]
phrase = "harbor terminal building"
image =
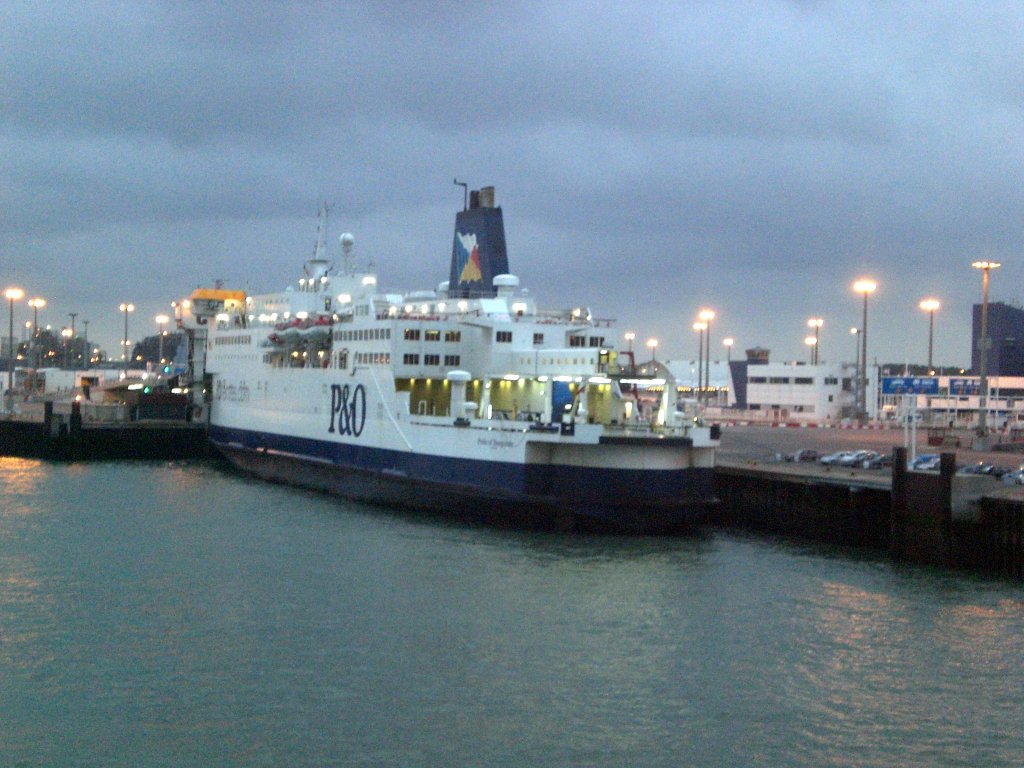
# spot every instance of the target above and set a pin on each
(758, 391)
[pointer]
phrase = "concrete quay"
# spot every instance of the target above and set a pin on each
(940, 518)
(67, 436)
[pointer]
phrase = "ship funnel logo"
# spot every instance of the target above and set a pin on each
(468, 258)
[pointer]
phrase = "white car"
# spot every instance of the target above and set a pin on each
(926, 462)
(837, 458)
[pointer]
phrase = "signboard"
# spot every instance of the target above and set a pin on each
(964, 386)
(910, 385)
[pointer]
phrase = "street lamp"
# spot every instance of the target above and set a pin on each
(161, 321)
(706, 316)
(36, 305)
(929, 306)
(85, 344)
(652, 344)
(728, 341)
(855, 332)
(815, 323)
(13, 295)
(865, 287)
(66, 334)
(126, 308)
(629, 336)
(700, 328)
(811, 342)
(985, 267)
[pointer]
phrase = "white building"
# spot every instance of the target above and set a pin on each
(958, 403)
(757, 390)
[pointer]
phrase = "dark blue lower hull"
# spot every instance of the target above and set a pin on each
(505, 493)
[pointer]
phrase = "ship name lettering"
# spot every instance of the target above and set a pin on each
(490, 442)
(348, 404)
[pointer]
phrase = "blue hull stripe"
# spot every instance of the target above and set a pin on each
(618, 496)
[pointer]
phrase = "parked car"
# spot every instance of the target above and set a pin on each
(926, 462)
(855, 458)
(804, 454)
(980, 468)
(1014, 478)
(834, 458)
(879, 461)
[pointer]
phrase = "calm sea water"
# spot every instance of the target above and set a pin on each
(175, 614)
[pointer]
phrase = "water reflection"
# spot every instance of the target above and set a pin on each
(221, 622)
(19, 480)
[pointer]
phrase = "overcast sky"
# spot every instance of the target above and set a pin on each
(650, 159)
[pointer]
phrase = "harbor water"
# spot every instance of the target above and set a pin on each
(165, 614)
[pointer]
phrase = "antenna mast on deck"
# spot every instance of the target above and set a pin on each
(321, 232)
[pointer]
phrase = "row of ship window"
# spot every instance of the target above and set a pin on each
(431, 334)
(505, 337)
(527, 361)
(363, 334)
(414, 359)
(222, 340)
(829, 380)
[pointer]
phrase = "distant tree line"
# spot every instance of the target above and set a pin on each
(148, 349)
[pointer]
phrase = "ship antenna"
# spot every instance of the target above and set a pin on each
(321, 231)
(465, 192)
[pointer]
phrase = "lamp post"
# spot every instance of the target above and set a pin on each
(727, 342)
(855, 332)
(864, 287)
(983, 343)
(36, 305)
(706, 316)
(85, 341)
(929, 306)
(66, 334)
(629, 336)
(652, 344)
(74, 354)
(126, 308)
(815, 323)
(811, 342)
(700, 328)
(161, 321)
(13, 295)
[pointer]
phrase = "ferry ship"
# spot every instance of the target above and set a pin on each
(467, 399)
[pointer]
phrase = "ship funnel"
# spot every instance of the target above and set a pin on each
(478, 248)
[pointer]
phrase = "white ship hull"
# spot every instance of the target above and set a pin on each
(362, 446)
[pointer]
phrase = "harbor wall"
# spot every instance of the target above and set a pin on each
(64, 436)
(939, 519)
(818, 508)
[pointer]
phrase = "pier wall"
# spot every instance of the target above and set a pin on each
(816, 508)
(939, 519)
(65, 437)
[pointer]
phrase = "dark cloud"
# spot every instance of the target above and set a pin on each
(755, 157)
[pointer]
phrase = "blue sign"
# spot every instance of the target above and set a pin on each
(964, 386)
(910, 385)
